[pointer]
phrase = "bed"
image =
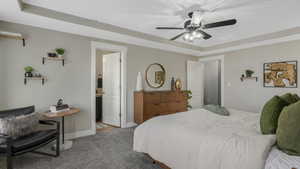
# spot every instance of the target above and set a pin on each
(200, 139)
(279, 160)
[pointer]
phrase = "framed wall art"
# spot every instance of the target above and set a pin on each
(280, 74)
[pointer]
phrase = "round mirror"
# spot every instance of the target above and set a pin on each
(155, 75)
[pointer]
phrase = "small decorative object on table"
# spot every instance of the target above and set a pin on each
(59, 107)
(139, 82)
(178, 84)
(172, 84)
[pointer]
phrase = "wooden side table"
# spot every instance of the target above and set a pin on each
(65, 144)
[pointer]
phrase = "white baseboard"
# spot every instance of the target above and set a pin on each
(130, 124)
(78, 134)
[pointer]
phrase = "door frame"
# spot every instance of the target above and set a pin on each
(221, 59)
(115, 48)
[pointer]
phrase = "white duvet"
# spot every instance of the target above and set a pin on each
(200, 139)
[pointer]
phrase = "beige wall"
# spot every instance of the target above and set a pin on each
(72, 82)
(250, 95)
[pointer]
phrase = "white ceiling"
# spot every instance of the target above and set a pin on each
(255, 17)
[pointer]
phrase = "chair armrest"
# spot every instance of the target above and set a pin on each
(7, 139)
(51, 123)
(4, 136)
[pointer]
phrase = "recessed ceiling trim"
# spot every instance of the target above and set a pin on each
(99, 25)
(260, 38)
(252, 45)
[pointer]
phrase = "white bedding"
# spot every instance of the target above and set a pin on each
(200, 139)
(279, 160)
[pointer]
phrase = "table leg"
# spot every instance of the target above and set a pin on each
(63, 130)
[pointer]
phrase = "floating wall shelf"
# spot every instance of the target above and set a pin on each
(249, 78)
(54, 59)
(12, 35)
(34, 78)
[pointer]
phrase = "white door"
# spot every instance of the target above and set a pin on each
(195, 76)
(111, 98)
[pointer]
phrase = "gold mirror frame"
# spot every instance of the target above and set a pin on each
(146, 75)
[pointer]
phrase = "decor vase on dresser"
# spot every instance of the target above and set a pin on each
(155, 103)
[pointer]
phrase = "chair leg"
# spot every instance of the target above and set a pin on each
(58, 145)
(9, 161)
(9, 156)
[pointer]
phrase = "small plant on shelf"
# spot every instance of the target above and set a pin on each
(28, 71)
(249, 73)
(60, 52)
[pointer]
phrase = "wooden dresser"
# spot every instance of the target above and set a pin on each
(155, 103)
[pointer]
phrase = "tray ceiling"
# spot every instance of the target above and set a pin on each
(255, 17)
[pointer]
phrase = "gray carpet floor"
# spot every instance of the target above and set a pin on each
(105, 150)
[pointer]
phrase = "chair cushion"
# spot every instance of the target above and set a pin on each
(17, 126)
(270, 114)
(288, 132)
(31, 140)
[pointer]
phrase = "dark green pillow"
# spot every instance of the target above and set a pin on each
(217, 109)
(270, 113)
(288, 132)
(296, 97)
(288, 97)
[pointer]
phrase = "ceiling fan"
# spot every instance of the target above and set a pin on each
(193, 27)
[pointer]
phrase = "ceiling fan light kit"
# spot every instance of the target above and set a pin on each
(194, 26)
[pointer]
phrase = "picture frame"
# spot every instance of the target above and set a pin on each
(280, 74)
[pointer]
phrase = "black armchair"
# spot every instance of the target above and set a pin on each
(31, 142)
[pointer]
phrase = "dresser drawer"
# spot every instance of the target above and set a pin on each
(168, 97)
(152, 109)
(152, 98)
(177, 106)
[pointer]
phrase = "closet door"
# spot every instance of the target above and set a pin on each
(112, 89)
(195, 78)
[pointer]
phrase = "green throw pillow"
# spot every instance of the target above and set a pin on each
(288, 97)
(296, 97)
(270, 113)
(217, 109)
(288, 132)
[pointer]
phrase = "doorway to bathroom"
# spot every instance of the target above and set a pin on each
(108, 86)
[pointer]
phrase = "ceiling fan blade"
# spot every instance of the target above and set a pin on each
(205, 35)
(178, 36)
(219, 24)
(173, 28)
